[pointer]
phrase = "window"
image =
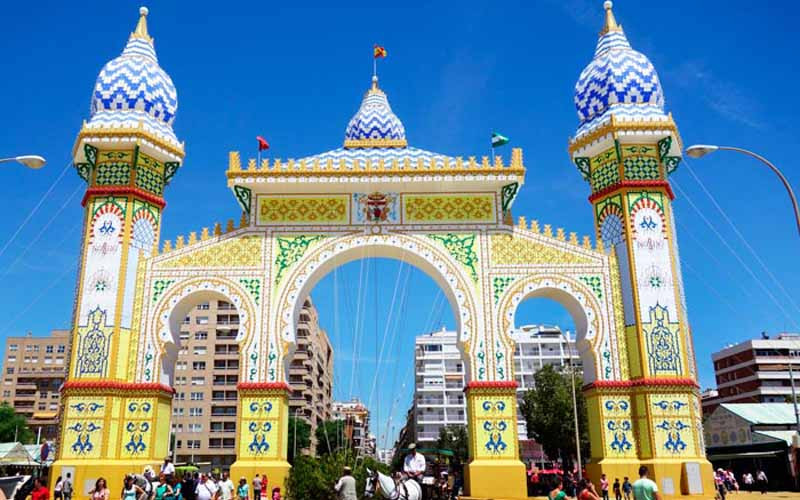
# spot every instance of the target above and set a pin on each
(201, 320)
(180, 380)
(195, 412)
(433, 348)
(60, 349)
(203, 306)
(193, 443)
(199, 365)
(199, 350)
(181, 365)
(195, 427)
(36, 348)
(178, 443)
(48, 360)
(197, 396)
(198, 381)
(28, 348)
(6, 394)
(42, 406)
(48, 349)
(177, 411)
(187, 320)
(59, 360)
(177, 427)
(12, 359)
(180, 396)
(201, 335)
(10, 370)
(13, 347)
(184, 335)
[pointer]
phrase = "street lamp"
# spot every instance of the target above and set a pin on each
(574, 404)
(30, 161)
(700, 150)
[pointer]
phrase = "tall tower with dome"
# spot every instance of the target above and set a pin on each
(625, 147)
(126, 153)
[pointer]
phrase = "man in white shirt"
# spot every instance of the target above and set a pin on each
(414, 464)
(167, 468)
(206, 489)
(226, 487)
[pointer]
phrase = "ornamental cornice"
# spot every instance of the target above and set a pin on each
(618, 129)
(375, 143)
(114, 388)
(98, 136)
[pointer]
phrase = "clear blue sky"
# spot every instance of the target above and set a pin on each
(454, 73)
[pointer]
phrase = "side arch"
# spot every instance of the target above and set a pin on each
(162, 336)
(415, 250)
(576, 297)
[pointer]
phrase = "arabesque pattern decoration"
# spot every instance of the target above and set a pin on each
(450, 208)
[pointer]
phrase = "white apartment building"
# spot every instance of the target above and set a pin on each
(439, 374)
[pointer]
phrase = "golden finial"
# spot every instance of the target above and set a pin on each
(141, 26)
(611, 22)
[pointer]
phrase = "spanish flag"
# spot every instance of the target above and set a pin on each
(379, 51)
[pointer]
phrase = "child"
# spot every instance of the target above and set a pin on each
(604, 487)
(617, 489)
(627, 488)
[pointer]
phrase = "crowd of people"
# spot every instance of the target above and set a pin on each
(726, 482)
(563, 486)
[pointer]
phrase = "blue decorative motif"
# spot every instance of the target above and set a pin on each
(376, 155)
(674, 442)
(259, 444)
(132, 88)
(83, 442)
(375, 119)
(494, 406)
(82, 407)
(134, 406)
(136, 444)
(94, 345)
(619, 428)
(665, 405)
(621, 405)
(662, 339)
(495, 444)
(618, 81)
(257, 407)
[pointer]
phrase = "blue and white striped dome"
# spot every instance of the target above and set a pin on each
(375, 122)
(133, 88)
(619, 81)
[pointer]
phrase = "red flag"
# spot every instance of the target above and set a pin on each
(262, 143)
(378, 51)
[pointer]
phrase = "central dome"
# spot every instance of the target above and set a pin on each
(375, 124)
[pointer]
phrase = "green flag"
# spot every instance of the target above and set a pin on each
(498, 140)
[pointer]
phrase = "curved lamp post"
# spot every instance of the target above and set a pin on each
(30, 161)
(700, 150)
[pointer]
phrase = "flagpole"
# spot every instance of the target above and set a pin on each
(374, 66)
(491, 148)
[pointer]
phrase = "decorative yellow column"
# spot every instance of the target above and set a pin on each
(126, 153)
(495, 470)
(262, 432)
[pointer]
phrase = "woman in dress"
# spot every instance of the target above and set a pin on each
(242, 492)
(163, 489)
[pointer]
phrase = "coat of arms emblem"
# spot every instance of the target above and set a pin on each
(376, 206)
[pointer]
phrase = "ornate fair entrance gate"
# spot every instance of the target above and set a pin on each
(377, 197)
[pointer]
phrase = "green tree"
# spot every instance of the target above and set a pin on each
(302, 430)
(455, 439)
(547, 409)
(13, 424)
(331, 437)
(314, 477)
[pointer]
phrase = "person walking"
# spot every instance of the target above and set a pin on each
(57, 489)
(627, 488)
(763, 482)
(243, 491)
(346, 486)
(225, 487)
(617, 489)
(40, 491)
(604, 486)
(206, 489)
(557, 492)
(163, 488)
(100, 490)
(645, 488)
(257, 487)
(747, 479)
(66, 487)
(719, 483)
(129, 489)
(188, 486)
